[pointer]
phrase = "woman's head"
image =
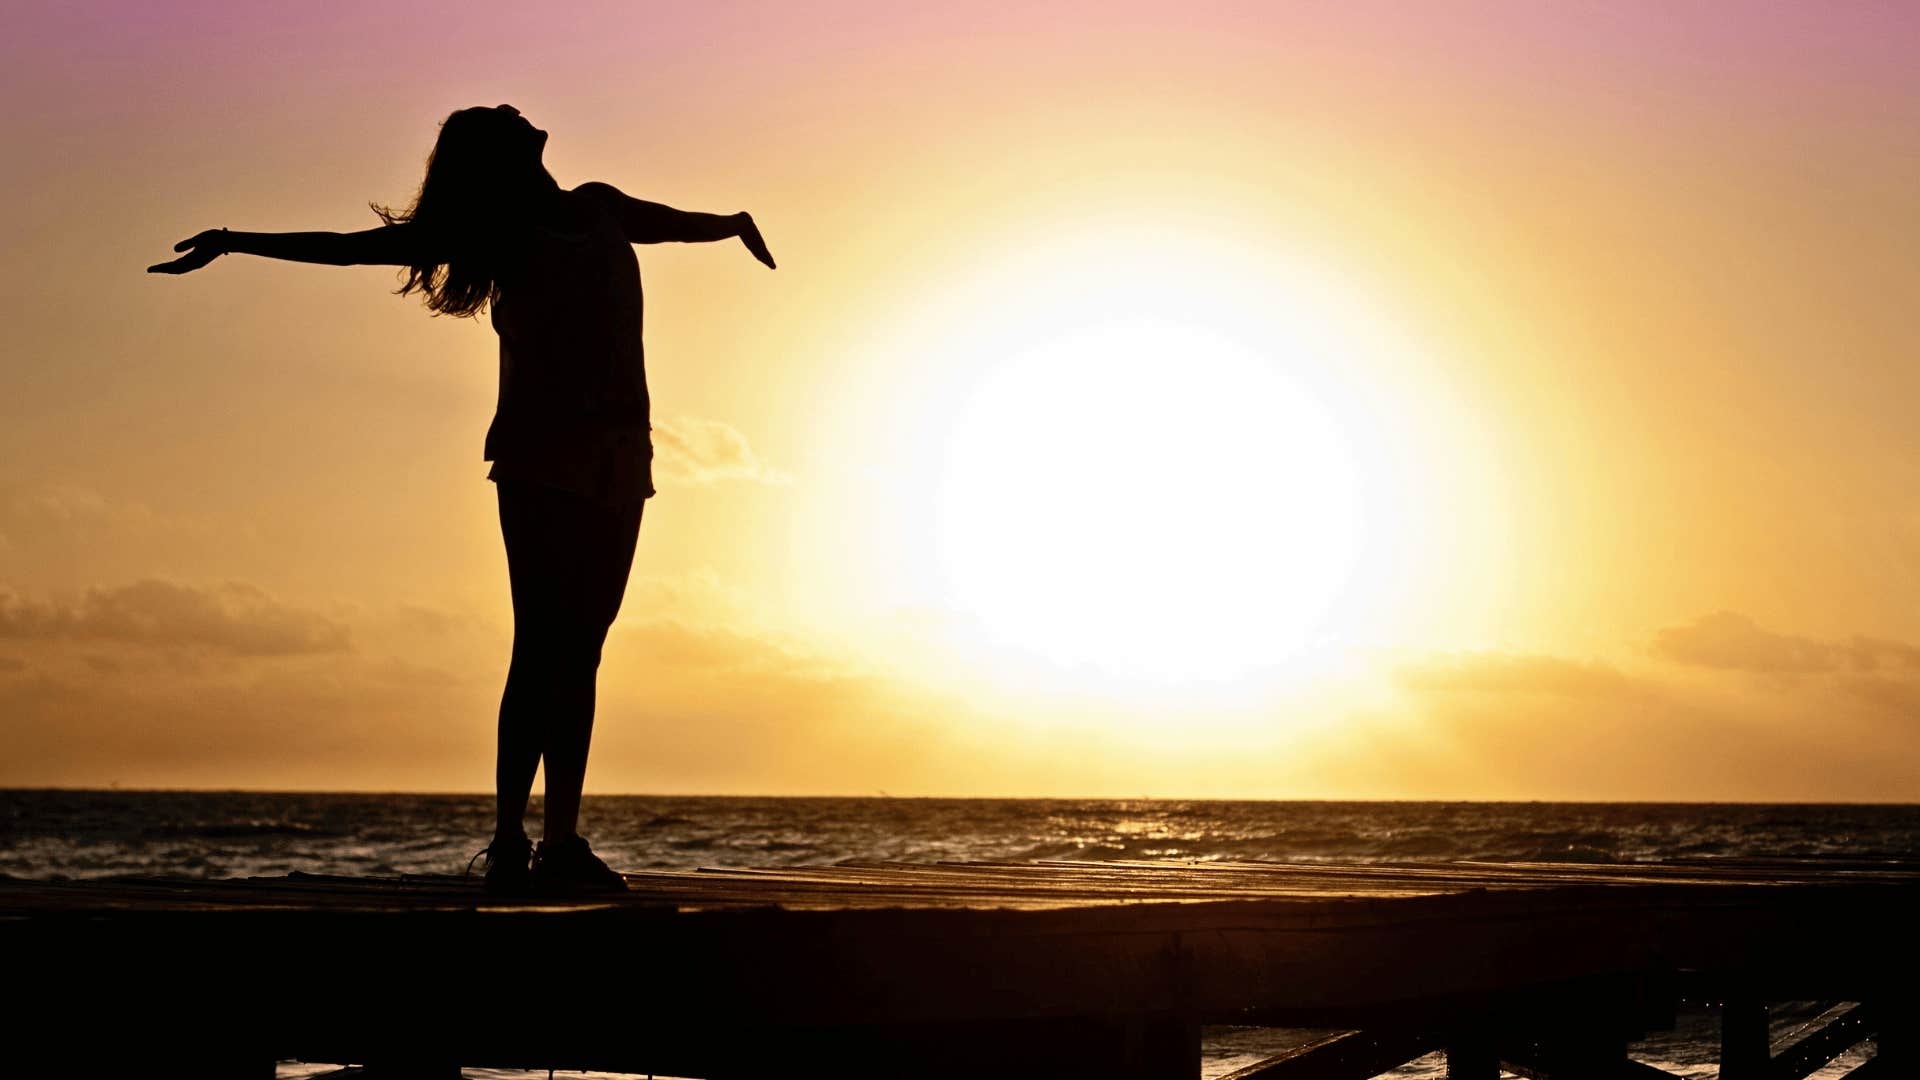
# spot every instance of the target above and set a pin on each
(487, 147)
(483, 181)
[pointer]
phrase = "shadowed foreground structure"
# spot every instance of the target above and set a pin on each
(1050, 969)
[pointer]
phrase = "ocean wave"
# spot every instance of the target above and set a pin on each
(234, 830)
(204, 834)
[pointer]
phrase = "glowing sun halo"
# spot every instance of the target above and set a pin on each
(1147, 499)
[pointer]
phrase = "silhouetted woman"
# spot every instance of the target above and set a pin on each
(572, 458)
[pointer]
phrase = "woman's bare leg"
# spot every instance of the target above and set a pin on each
(567, 746)
(609, 562)
(519, 753)
(569, 560)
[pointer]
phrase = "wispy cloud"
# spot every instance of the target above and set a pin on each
(234, 618)
(693, 450)
(1730, 641)
(1515, 673)
(61, 512)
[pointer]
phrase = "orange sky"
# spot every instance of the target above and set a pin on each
(1472, 401)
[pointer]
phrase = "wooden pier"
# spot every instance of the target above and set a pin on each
(1006, 970)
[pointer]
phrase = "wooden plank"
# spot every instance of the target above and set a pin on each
(1348, 1055)
(689, 956)
(1835, 1031)
(1034, 886)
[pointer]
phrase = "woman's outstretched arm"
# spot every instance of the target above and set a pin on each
(385, 245)
(654, 223)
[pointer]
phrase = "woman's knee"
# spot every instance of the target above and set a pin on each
(557, 651)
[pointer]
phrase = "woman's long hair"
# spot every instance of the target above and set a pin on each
(475, 204)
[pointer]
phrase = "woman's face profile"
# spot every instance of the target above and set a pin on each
(537, 137)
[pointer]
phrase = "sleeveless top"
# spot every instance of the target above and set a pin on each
(573, 408)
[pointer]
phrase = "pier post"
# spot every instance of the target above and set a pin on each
(1896, 1047)
(1743, 1039)
(1568, 1055)
(409, 1070)
(1161, 1048)
(1471, 1057)
(213, 1063)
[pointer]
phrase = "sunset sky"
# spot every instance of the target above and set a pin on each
(1361, 400)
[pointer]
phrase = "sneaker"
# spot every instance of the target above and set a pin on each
(507, 865)
(570, 868)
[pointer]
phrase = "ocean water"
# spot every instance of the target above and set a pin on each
(76, 834)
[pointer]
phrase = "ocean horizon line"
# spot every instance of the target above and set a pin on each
(879, 796)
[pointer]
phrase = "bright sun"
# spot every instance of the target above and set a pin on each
(1147, 499)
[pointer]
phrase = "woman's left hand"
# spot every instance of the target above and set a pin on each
(750, 236)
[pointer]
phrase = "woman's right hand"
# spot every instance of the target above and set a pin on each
(201, 248)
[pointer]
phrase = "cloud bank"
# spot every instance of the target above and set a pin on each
(165, 684)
